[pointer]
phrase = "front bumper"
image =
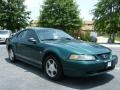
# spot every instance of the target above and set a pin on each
(2, 40)
(88, 68)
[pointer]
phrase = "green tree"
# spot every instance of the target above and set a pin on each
(60, 14)
(13, 15)
(107, 17)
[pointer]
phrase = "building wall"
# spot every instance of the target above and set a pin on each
(88, 26)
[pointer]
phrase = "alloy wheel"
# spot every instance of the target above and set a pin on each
(51, 68)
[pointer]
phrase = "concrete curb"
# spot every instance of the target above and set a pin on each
(111, 45)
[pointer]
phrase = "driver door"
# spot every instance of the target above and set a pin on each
(31, 49)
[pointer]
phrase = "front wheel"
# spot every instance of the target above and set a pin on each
(53, 68)
(11, 55)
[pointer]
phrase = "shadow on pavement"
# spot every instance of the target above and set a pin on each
(2, 43)
(75, 83)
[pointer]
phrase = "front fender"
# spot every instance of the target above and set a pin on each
(61, 53)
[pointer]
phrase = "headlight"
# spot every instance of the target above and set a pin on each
(81, 57)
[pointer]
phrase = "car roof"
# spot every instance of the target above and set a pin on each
(41, 28)
(4, 30)
(36, 29)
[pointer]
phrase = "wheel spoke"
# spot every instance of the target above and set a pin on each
(49, 63)
(53, 68)
(52, 74)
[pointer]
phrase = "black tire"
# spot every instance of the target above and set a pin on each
(11, 55)
(59, 73)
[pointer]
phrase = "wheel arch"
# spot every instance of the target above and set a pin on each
(53, 54)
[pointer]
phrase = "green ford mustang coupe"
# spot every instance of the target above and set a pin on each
(58, 54)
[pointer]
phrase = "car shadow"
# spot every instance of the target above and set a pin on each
(71, 82)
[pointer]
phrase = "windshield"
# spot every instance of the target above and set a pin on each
(3, 32)
(53, 34)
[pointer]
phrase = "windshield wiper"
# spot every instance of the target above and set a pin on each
(58, 39)
(48, 39)
(66, 38)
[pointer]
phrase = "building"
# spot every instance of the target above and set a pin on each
(87, 26)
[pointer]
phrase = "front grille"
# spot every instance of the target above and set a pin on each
(104, 56)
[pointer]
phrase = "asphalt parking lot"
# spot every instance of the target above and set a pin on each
(21, 76)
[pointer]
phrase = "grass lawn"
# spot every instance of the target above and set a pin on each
(117, 38)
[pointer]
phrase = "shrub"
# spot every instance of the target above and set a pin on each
(85, 36)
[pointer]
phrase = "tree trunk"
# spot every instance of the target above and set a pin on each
(113, 38)
(110, 38)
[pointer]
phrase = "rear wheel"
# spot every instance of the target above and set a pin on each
(53, 68)
(11, 55)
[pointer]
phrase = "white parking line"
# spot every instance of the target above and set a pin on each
(112, 46)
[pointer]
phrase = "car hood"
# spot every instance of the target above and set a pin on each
(80, 47)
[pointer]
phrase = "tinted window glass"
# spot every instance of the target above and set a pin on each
(22, 35)
(31, 34)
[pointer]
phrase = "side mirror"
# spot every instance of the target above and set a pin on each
(32, 40)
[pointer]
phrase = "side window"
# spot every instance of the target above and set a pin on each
(22, 35)
(31, 34)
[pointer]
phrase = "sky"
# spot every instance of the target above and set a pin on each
(85, 7)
